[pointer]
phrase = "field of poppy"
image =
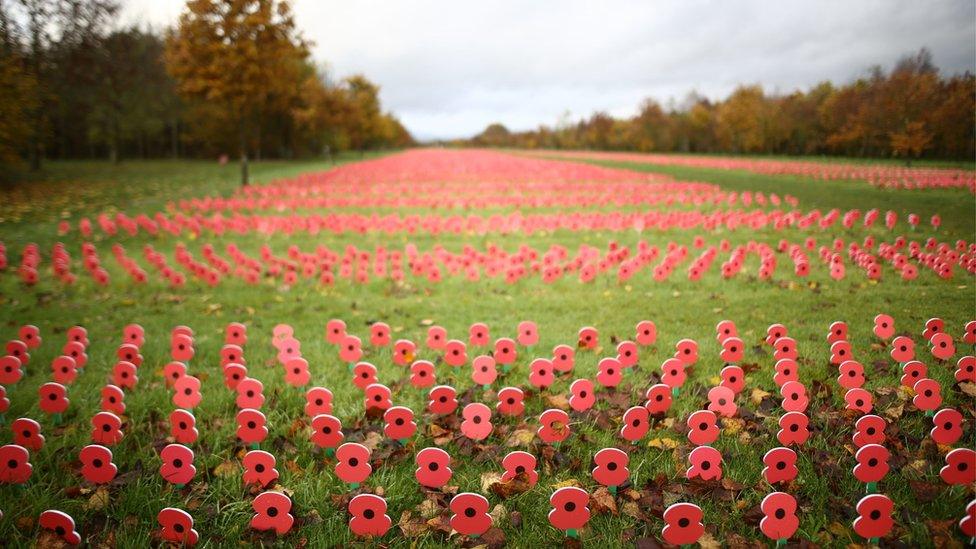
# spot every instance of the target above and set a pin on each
(467, 347)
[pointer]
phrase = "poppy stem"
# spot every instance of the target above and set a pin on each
(57, 419)
(675, 391)
(781, 542)
(330, 452)
(351, 366)
(929, 413)
(255, 446)
(353, 485)
(486, 387)
(3, 419)
(179, 486)
(612, 489)
(874, 541)
(572, 533)
(403, 441)
(872, 487)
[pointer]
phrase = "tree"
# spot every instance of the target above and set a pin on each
(912, 141)
(243, 58)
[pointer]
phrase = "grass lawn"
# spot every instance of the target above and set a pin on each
(926, 510)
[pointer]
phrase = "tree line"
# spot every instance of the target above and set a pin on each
(908, 112)
(231, 77)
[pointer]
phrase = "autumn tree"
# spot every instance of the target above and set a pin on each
(243, 58)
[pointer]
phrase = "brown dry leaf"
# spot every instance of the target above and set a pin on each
(757, 396)
(98, 500)
(426, 322)
(837, 529)
(372, 441)
(494, 538)
(602, 501)
(707, 541)
(227, 469)
(516, 485)
(732, 425)
(663, 443)
(428, 509)
(631, 509)
(47, 539)
(412, 527)
(499, 514)
(293, 466)
(968, 388)
(520, 437)
(489, 478)
(895, 412)
(558, 401)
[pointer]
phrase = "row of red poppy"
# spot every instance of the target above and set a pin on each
(872, 457)
(325, 264)
(885, 176)
(177, 224)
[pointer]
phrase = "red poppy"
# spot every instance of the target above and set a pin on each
(779, 520)
(505, 351)
(588, 338)
(250, 394)
(233, 374)
(563, 358)
(251, 426)
(177, 467)
(183, 426)
(683, 524)
(725, 329)
(874, 516)
(369, 516)
(686, 350)
(442, 400)
(10, 372)
(569, 508)
(721, 400)
(518, 462)
(837, 332)
(541, 373)
(636, 422)
(399, 423)
(510, 402)
(942, 346)
(933, 326)
(870, 430)
(76, 351)
(903, 349)
(960, 467)
(288, 349)
(780, 465)
(673, 373)
(872, 463)
(106, 429)
(18, 349)
(61, 524)
(784, 347)
(859, 399)
(363, 375)
(96, 464)
(27, 433)
(793, 429)
(733, 350)
(436, 337)
(403, 352)
(318, 400)
(734, 378)
(129, 353)
(851, 374)
(948, 426)
(187, 392)
(968, 523)
(177, 527)
(581, 396)
(63, 370)
(30, 335)
(658, 399)
(912, 372)
(422, 374)
(15, 467)
(433, 467)
(296, 372)
(646, 333)
(610, 372)
(478, 335)
(53, 398)
(703, 427)
(966, 369)
(554, 426)
(840, 351)
(786, 371)
(350, 349)
(335, 330)
(774, 332)
(236, 334)
(181, 348)
(706, 463)
(627, 354)
(477, 421)
(378, 396)
(352, 463)
(326, 431)
(528, 333)
(794, 396)
(470, 514)
(611, 467)
(884, 326)
(259, 468)
(79, 334)
(272, 512)
(379, 334)
(928, 394)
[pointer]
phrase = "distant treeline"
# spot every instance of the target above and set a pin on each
(232, 77)
(910, 112)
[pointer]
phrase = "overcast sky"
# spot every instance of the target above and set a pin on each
(449, 68)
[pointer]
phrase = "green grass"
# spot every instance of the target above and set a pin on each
(826, 491)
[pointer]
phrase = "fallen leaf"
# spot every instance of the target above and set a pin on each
(663, 443)
(98, 500)
(520, 437)
(412, 527)
(489, 478)
(757, 396)
(226, 469)
(602, 501)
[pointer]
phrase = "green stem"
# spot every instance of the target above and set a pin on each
(353, 485)
(572, 533)
(675, 391)
(57, 419)
(255, 446)
(872, 487)
(612, 489)
(781, 542)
